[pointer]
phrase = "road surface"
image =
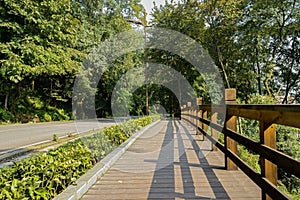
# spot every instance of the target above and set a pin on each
(20, 135)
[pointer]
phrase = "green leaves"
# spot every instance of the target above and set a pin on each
(253, 42)
(45, 175)
(43, 44)
(120, 133)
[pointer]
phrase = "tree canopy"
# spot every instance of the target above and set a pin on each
(254, 43)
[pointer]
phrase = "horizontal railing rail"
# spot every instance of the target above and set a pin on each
(287, 115)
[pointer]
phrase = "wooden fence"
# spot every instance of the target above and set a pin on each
(268, 116)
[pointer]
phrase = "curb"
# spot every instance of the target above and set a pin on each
(81, 186)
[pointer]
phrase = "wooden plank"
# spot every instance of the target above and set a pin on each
(190, 176)
(213, 140)
(199, 123)
(230, 143)
(263, 183)
(230, 123)
(199, 115)
(230, 94)
(204, 116)
(195, 121)
(199, 101)
(295, 108)
(288, 115)
(214, 133)
(189, 105)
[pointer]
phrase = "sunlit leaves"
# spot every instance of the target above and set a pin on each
(45, 175)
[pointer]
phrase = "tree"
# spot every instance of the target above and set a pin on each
(43, 45)
(268, 27)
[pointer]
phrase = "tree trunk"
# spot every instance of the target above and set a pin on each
(259, 74)
(223, 68)
(266, 84)
(6, 101)
(32, 85)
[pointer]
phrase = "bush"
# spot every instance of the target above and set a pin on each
(46, 117)
(120, 133)
(28, 107)
(6, 116)
(288, 143)
(44, 176)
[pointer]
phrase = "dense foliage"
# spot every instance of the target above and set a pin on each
(254, 43)
(45, 175)
(42, 46)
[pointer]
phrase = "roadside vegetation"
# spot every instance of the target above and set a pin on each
(45, 175)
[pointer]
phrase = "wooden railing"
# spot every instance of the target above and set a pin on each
(268, 116)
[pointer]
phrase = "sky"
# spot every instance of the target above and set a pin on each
(148, 4)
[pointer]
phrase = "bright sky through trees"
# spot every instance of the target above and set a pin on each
(148, 4)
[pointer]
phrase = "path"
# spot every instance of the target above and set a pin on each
(166, 163)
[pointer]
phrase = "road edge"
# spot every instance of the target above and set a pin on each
(82, 185)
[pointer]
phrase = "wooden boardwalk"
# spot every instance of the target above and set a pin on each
(170, 162)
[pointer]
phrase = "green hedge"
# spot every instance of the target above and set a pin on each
(45, 175)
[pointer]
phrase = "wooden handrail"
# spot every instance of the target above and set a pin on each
(282, 160)
(287, 115)
(268, 116)
(262, 182)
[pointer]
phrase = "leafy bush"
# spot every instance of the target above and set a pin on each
(288, 142)
(120, 133)
(6, 116)
(51, 114)
(46, 117)
(115, 135)
(247, 156)
(55, 137)
(30, 107)
(45, 175)
(98, 144)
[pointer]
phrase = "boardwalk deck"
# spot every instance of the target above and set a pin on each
(170, 162)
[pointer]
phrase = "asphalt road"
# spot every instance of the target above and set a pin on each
(20, 135)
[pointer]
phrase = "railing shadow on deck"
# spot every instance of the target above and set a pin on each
(163, 182)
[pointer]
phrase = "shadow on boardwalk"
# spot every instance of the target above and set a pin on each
(163, 183)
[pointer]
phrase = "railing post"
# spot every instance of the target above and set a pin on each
(199, 114)
(204, 126)
(268, 169)
(189, 104)
(230, 98)
(195, 119)
(214, 134)
(184, 112)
